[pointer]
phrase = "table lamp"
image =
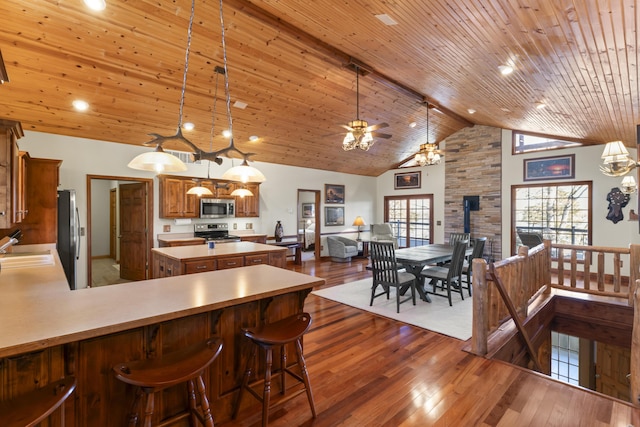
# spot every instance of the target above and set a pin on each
(359, 222)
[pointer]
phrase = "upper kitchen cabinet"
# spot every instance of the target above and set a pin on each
(174, 200)
(12, 175)
(249, 206)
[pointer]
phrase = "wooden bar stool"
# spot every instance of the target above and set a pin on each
(34, 407)
(184, 365)
(280, 333)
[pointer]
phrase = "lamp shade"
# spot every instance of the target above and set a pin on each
(614, 152)
(244, 173)
(358, 221)
(199, 190)
(157, 161)
(241, 192)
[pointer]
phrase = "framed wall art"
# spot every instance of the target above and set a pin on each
(308, 210)
(333, 215)
(407, 180)
(334, 193)
(543, 168)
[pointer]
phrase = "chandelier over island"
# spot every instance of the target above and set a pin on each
(160, 161)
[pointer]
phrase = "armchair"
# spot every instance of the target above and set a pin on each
(383, 233)
(341, 249)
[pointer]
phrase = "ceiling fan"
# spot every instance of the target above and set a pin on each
(360, 134)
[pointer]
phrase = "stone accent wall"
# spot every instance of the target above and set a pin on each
(473, 167)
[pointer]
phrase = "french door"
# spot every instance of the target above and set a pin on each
(411, 218)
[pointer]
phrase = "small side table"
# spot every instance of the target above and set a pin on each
(364, 252)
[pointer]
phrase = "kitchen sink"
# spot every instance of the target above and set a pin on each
(26, 259)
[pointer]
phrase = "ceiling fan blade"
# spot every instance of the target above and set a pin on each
(347, 127)
(378, 126)
(380, 135)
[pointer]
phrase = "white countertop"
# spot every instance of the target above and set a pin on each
(38, 310)
(221, 249)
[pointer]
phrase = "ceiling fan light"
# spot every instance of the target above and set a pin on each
(157, 161)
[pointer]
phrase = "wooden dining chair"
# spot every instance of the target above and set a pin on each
(467, 266)
(457, 237)
(386, 274)
(449, 276)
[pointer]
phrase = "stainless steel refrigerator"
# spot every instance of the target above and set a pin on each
(68, 234)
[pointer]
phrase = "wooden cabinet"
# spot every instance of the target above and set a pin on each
(176, 203)
(199, 266)
(249, 206)
(174, 200)
(40, 225)
(230, 262)
(12, 184)
(165, 265)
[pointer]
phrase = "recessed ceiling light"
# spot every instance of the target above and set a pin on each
(226, 133)
(97, 5)
(253, 138)
(505, 69)
(386, 19)
(540, 105)
(188, 126)
(80, 105)
(412, 124)
(506, 110)
(239, 104)
(471, 111)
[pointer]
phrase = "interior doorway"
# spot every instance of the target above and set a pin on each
(309, 220)
(119, 223)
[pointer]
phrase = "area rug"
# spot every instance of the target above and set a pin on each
(436, 316)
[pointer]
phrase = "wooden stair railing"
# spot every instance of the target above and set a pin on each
(634, 374)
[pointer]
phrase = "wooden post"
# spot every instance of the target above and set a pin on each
(634, 271)
(635, 350)
(547, 271)
(480, 322)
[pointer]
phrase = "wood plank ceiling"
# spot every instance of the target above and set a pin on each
(288, 61)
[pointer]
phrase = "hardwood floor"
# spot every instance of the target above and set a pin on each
(367, 370)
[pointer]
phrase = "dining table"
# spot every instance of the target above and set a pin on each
(415, 258)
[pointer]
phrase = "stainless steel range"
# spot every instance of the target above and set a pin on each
(218, 232)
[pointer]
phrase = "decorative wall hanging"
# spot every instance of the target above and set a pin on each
(406, 180)
(333, 193)
(617, 200)
(334, 215)
(546, 168)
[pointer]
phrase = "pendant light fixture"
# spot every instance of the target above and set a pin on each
(429, 153)
(243, 173)
(618, 162)
(159, 161)
(199, 190)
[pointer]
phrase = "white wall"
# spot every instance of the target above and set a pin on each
(278, 195)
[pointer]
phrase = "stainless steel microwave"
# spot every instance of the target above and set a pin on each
(217, 208)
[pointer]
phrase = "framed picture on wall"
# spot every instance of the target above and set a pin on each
(333, 193)
(308, 210)
(557, 167)
(333, 215)
(407, 180)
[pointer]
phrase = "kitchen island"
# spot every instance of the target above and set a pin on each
(172, 261)
(47, 331)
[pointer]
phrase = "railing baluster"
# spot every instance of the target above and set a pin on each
(587, 269)
(601, 271)
(574, 267)
(616, 273)
(560, 267)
